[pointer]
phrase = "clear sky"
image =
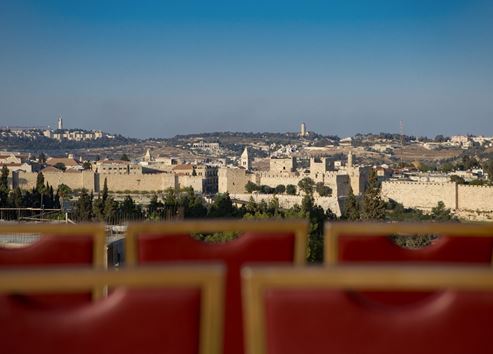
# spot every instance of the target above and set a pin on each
(159, 68)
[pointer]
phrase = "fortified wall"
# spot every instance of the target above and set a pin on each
(94, 182)
(74, 180)
(425, 196)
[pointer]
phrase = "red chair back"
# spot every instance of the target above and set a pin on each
(171, 311)
(370, 242)
(270, 241)
(367, 242)
(58, 245)
(314, 312)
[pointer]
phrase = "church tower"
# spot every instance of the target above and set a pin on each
(148, 156)
(245, 160)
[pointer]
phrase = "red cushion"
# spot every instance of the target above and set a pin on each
(250, 247)
(353, 248)
(329, 321)
(127, 322)
(70, 250)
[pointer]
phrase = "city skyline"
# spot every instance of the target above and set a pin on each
(151, 69)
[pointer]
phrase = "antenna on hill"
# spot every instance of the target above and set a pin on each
(402, 140)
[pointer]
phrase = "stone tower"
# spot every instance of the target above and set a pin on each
(245, 160)
(60, 122)
(350, 159)
(148, 156)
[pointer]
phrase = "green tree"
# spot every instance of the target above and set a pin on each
(16, 198)
(264, 189)
(40, 183)
(291, 189)
(250, 187)
(373, 207)
(110, 209)
(105, 192)
(351, 207)
(87, 165)
(42, 158)
(306, 185)
(124, 157)
(63, 192)
(440, 213)
(489, 169)
(192, 203)
(4, 179)
(60, 165)
(98, 208)
(222, 206)
(323, 190)
(280, 189)
(4, 186)
(83, 207)
(155, 207)
(129, 209)
(457, 179)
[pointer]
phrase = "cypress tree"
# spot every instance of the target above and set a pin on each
(351, 207)
(373, 207)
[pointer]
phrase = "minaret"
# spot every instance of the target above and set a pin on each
(350, 159)
(60, 123)
(245, 160)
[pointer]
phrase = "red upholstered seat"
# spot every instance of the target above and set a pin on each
(333, 321)
(57, 250)
(50, 250)
(354, 248)
(129, 321)
(250, 247)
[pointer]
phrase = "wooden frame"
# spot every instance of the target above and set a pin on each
(257, 279)
(209, 278)
(334, 230)
(298, 226)
(97, 231)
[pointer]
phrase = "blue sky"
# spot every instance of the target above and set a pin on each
(160, 68)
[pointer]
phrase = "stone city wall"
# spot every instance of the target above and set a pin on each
(74, 180)
(196, 182)
(138, 182)
(420, 195)
(94, 182)
(475, 198)
(426, 195)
